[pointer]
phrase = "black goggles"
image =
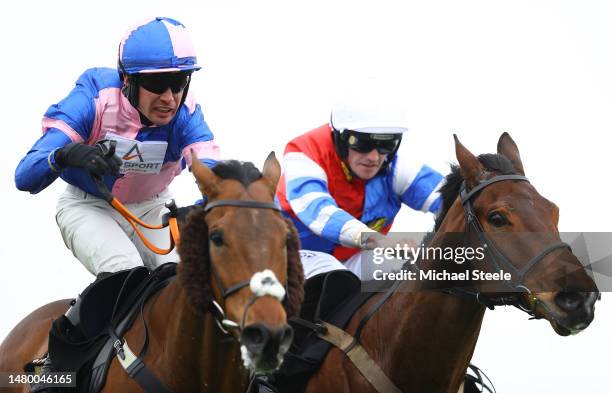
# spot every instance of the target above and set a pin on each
(365, 143)
(159, 83)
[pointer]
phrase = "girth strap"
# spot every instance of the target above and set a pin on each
(137, 370)
(360, 358)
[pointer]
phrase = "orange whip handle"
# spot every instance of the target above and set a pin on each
(131, 218)
(134, 221)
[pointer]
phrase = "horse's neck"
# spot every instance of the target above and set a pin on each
(428, 340)
(196, 356)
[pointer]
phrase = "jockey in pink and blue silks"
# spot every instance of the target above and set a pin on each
(345, 182)
(145, 107)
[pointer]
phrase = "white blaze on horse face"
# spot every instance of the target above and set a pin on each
(265, 283)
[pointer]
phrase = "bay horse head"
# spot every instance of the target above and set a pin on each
(496, 201)
(240, 262)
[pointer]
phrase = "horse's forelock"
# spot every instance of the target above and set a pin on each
(244, 172)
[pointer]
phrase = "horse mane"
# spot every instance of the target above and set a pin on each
(450, 189)
(194, 271)
(295, 273)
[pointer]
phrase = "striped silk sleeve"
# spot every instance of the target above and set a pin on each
(310, 200)
(417, 186)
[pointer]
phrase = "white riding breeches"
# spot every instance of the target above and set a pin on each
(316, 262)
(103, 240)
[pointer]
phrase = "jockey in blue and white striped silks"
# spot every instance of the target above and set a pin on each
(332, 207)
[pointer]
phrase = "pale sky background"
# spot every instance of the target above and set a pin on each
(541, 70)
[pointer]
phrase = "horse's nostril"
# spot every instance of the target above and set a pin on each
(569, 301)
(264, 341)
(255, 338)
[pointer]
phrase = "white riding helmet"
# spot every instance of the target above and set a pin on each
(367, 118)
(374, 117)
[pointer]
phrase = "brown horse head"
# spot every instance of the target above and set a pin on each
(239, 259)
(521, 227)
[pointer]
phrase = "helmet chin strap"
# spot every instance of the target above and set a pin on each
(130, 91)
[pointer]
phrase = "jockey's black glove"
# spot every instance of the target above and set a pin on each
(90, 158)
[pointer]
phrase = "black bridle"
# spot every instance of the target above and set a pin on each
(225, 324)
(499, 260)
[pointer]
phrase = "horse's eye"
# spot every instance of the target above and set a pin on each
(216, 237)
(497, 219)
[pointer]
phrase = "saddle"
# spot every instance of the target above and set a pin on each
(103, 313)
(332, 297)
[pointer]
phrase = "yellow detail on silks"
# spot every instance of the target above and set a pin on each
(377, 224)
(53, 168)
(347, 171)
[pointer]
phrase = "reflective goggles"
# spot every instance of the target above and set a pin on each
(159, 83)
(365, 143)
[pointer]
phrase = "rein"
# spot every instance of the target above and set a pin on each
(498, 259)
(224, 324)
(131, 218)
(351, 345)
(263, 283)
(267, 278)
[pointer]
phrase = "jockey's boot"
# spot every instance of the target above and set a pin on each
(72, 323)
(71, 317)
(46, 369)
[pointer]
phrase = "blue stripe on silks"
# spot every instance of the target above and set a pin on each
(421, 187)
(304, 185)
(312, 211)
(209, 162)
(331, 230)
(310, 241)
(435, 207)
(380, 200)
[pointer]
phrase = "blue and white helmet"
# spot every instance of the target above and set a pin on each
(157, 45)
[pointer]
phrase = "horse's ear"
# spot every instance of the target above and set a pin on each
(271, 171)
(205, 178)
(471, 169)
(507, 148)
